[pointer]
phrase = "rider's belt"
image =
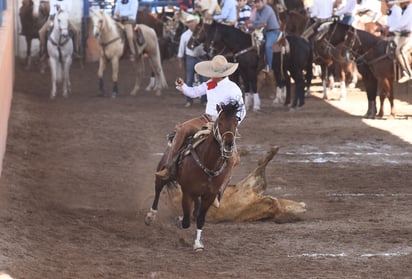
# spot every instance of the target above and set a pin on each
(270, 30)
(391, 34)
(347, 14)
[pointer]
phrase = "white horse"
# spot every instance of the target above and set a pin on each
(60, 49)
(112, 42)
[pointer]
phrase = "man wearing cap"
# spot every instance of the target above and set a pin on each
(65, 5)
(403, 49)
(266, 17)
(191, 55)
(219, 89)
(126, 12)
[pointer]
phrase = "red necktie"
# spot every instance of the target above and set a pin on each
(211, 85)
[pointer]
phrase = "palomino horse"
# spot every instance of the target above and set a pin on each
(202, 169)
(377, 56)
(31, 23)
(60, 49)
(112, 43)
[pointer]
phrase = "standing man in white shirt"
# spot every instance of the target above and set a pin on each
(191, 56)
(322, 9)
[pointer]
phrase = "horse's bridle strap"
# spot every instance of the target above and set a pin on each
(104, 45)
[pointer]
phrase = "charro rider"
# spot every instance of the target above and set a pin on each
(65, 5)
(219, 89)
(126, 12)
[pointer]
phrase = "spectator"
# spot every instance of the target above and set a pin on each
(266, 17)
(191, 56)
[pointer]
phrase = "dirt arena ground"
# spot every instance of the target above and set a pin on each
(78, 178)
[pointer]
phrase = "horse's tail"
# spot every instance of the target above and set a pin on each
(162, 83)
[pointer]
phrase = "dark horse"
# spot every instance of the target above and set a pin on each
(236, 44)
(31, 23)
(203, 171)
(375, 55)
(295, 63)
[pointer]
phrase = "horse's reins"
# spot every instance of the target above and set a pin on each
(59, 44)
(361, 57)
(219, 138)
(104, 45)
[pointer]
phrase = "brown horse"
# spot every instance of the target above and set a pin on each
(377, 55)
(204, 171)
(31, 23)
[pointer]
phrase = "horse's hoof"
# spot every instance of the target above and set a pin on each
(114, 95)
(158, 93)
(179, 222)
(198, 246)
(149, 218)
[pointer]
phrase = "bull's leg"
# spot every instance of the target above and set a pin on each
(102, 67)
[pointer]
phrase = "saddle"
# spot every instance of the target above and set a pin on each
(190, 143)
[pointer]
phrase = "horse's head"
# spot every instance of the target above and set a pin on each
(198, 35)
(213, 43)
(224, 129)
(97, 18)
(61, 21)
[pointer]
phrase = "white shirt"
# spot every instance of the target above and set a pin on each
(405, 23)
(348, 8)
(65, 5)
(395, 17)
(322, 9)
(183, 49)
(225, 91)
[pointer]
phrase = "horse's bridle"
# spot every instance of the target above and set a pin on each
(219, 138)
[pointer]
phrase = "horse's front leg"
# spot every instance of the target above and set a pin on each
(115, 76)
(66, 77)
(100, 72)
(28, 53)
(206, 202)
(184, 222)
(53, 72)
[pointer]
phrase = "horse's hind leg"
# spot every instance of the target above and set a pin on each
(151, 215)
(66, 78)
(28, 53)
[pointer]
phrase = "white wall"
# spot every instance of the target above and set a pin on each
(20, 42)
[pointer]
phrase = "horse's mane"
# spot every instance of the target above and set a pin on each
(110, 23)
(231, 108)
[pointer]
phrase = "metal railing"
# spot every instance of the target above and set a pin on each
(3, 6)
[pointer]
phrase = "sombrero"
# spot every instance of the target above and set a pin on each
(397, 1)
(217, 67)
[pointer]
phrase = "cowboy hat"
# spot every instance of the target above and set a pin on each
(190, 18)
(398, 1)
(215, 68)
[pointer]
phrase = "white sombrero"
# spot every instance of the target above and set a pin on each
(397, 1)
(217, 67)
